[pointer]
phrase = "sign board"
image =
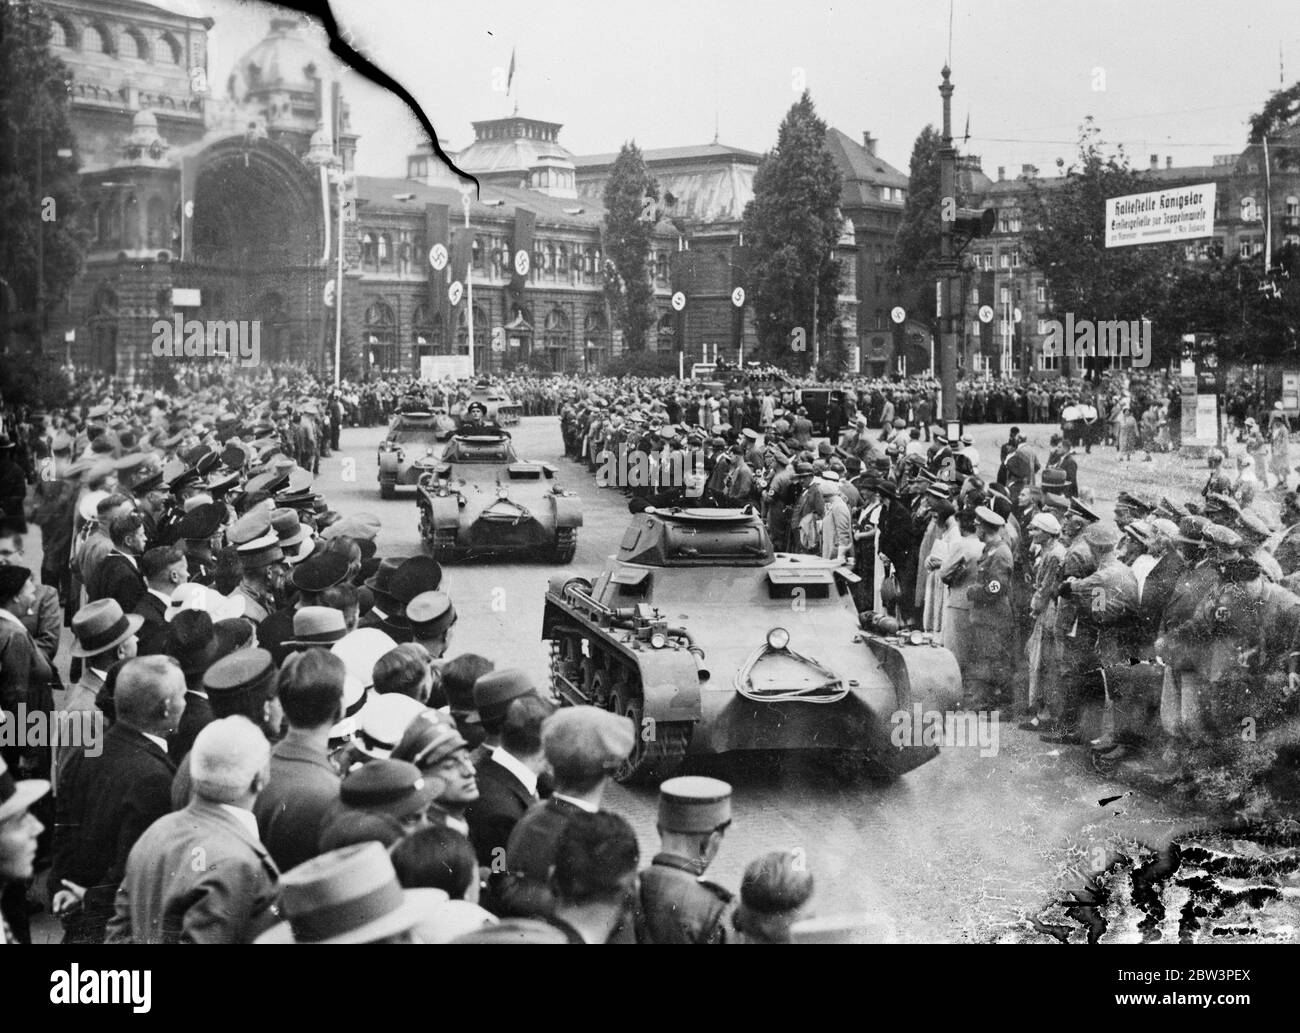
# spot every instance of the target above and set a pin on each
(440, 367)
(1207, 418)
(855, 359)
(1183, 213)
(186, 297)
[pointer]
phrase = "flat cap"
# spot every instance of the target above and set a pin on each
(1104, 534)
(430, 613)
(394, 787)
(245, 672)
(494, 691)
(260, 552)
(586, 736)
(1046, 523)
(256, 523)
(692, 803)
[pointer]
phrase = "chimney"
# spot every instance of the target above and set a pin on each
(1029, 171)
(869, 143)
(1169, 161)
(1155, 161)
(1002, 173)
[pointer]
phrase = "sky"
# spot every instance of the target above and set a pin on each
(1176, 78)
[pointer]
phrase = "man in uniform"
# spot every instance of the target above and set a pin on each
(987, 678)
(199, 532)
(259, 560)
(678, 905)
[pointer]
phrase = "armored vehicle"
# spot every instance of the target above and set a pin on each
(412, 446)
(711, 643)
(492, 404)
(480, 499)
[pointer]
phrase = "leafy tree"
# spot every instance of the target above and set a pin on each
(628, 233)
(916, 246)
(1065, 237)
(791, 227)
(34, 129)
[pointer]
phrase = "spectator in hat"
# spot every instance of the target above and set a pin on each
(165, 897)
(432, 616)
(262, 572)
(243, 683)
(345, 599)
(351, 895)
(103, 635)
(118, 575)
(303, 788)
(432, 743)
(584, 746)
(24, 670)
(987, 676)
(774, 895)
(191, 641)
(677, 904)
(508, 778)
(457, 679)
(199, 532)
(393, 787)
(310, 579)
(493, 693)
(19, 831)
(164, 569)
(106, 801)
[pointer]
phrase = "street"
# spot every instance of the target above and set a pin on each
(960, 849)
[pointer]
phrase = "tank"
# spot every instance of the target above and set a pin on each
(486, 405)
(411, 446)
(480, 499)
(712, 643)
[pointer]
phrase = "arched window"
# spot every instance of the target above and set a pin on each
(1292, 207)
(367, 249)
(98, 39)
(661, 266)
(379, 338)
(385, 249)
(595, 331)
(476, 253)
(135, 45)
(500, 255)
(462, 330)
(550, 259)
(562, 260)
(423, 336)
(114, 229)
(171, 49)
(62, 34)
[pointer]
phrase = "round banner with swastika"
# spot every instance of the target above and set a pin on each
(438, 257)
(455, 291)
(522, 263)
(679, 301)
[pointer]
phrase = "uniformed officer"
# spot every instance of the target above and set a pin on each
(259, 560)
(987, 678)
(678, 905)
(198, 530)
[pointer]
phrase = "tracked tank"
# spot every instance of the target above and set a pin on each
(712, 643)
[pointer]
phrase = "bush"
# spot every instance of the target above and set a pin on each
(641, 364)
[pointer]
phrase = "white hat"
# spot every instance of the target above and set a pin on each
(193, 596)
(88, 507)
(383, 720)
(1046, 523)
(360, 650)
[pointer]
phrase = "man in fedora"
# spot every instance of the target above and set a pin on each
(107, 798)
(103, 635)
(351, 895)
(314, 627)
(303, 788)
(431, 615)
(165, 897)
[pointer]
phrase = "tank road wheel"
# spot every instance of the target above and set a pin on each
(387, 488)
(598, 687)
(566, 544)
(658, 750)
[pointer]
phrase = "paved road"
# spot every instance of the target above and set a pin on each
(960, 849)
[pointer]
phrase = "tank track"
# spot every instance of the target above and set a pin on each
(566, 544)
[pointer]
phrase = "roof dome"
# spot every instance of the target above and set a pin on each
(514, 144)
(286, 60)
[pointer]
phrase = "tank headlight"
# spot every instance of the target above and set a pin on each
(778, 638)
(658, 640)
(916, 638)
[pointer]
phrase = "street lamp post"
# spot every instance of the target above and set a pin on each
(947, 265)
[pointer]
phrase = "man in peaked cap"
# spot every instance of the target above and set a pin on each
(412, 577)
(310, 578)
(678, 905)
(584, 746)
(261, 562)
(199, 532)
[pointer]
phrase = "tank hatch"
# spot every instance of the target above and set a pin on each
(697, 538)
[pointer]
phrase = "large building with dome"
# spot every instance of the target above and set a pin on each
(213, 201)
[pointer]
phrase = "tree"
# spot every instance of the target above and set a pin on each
(916, 247)
(39, 195)
(628, 233)
(1065, 237)
(791, 227)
